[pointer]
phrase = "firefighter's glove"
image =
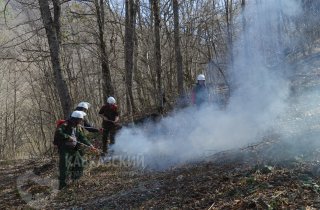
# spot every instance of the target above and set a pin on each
(101, 130)
(93, 149)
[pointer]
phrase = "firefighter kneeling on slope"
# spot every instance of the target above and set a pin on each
(71, 137)
(110, 115)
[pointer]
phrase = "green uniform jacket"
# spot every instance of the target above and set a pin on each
(65, 132)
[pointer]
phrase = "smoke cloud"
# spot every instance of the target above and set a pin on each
(259, 97)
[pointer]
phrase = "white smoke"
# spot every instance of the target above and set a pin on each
(259, 94)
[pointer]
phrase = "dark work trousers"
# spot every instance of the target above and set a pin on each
(108, 133)
(70, 163)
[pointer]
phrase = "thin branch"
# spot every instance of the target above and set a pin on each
(24, 23)
(82, 14)
(78, 43)
(3, 46)
(4, 12)
(24, 61)
(34, 50)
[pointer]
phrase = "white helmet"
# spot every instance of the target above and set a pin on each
(111, 100)
(83, 104)
(78, 114)
(201, 77)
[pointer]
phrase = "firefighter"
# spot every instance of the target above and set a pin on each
(200, 93)
(84, 106)
(71, 137)
(110, 116)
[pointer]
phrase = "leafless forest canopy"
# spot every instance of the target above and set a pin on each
(146, 53)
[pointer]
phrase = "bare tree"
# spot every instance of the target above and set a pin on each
(179, 66)
(52, 26)
(108, 89)
(157, 52)
(131, 11)
(229, 19)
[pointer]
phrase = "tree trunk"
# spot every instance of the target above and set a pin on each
(228, 11)
(53, 34)
(107, 89)
(175, 7)
(131, 11)
(244, 27)
(157, 52)
(7, 123)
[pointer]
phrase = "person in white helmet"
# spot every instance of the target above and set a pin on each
(84, 106)
(200, 93)
(110, 116)
(70, 137)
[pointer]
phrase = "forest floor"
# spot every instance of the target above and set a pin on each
(238, 179)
